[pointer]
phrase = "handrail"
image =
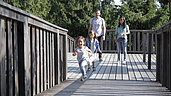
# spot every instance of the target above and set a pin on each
(137, 41)
(33, 53)
(163, 60)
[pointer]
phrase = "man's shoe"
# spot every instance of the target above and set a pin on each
(100, 59)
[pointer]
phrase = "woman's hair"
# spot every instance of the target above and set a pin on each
(124, 23)
(80, 37)
(95, 37)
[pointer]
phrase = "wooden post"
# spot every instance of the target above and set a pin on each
(27, 63)
(144, 47)
(33, 59)
(45, 60)
(149, 51)
(9, 58)
(65, 58)
(15, 42)
(158, 56)
(58, 62)
(2, 58)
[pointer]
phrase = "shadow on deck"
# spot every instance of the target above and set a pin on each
(110, 78)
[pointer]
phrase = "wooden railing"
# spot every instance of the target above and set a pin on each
(137, 41)
(163, 72)
(71, 44)
(33, 53)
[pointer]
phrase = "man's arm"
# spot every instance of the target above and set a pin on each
(104, 29)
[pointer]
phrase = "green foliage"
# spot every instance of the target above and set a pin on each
(75, 15)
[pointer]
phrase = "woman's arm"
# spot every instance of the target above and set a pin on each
(127, 30)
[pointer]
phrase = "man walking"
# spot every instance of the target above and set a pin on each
(97, 24)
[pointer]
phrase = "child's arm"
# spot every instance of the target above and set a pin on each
(75, 53)
(90, 52)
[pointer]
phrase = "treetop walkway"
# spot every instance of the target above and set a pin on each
(35, 59)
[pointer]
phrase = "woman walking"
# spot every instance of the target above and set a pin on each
(122, 30)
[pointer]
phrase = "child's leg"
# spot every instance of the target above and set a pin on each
(89, 67)
(82, 67)
(94, 69)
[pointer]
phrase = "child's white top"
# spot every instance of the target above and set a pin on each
(82, 53)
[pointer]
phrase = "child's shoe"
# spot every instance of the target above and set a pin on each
(84, 78)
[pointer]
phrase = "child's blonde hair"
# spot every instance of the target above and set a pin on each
(81, 37)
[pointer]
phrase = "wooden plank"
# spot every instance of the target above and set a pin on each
(155, 43)
(65, 57)
(149, 72)
(158, 58)
(110, 39)
(149, 51)
(33, 60)
(38, 59)
(15, 44)
(125, 72)
(130, 69)
(139, 42)
(53, 62)
(107, 70)
(98, 67)
(118, 75)
(45, 60)
(103, 68)
(41, 59)
(27, 59)
(134, 42)
(61, 57)
(3, 54)
(144, 47)
(58, 60)
(113, 67)
(130, 42)
(105, 47)
(152, 39)
(9, 59)
(136, 71)
(48, 60)
(11, 14)
(139, 63)
(21, 68)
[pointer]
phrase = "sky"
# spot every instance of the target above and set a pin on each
(117, 2)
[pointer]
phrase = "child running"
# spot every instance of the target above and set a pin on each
(83, 55)
(93, 44)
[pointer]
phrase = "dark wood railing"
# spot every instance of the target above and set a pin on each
(71, 44)
(164, 55)
(137, 41)
(33, 53)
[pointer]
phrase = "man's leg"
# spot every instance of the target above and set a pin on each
(100, 39)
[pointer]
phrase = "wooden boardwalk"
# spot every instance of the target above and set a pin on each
(109, 69)
(111, 79)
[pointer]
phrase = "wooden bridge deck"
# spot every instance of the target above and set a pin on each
(111, 79)
(135, 69)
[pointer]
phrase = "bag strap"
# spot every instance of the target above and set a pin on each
(101, 21)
